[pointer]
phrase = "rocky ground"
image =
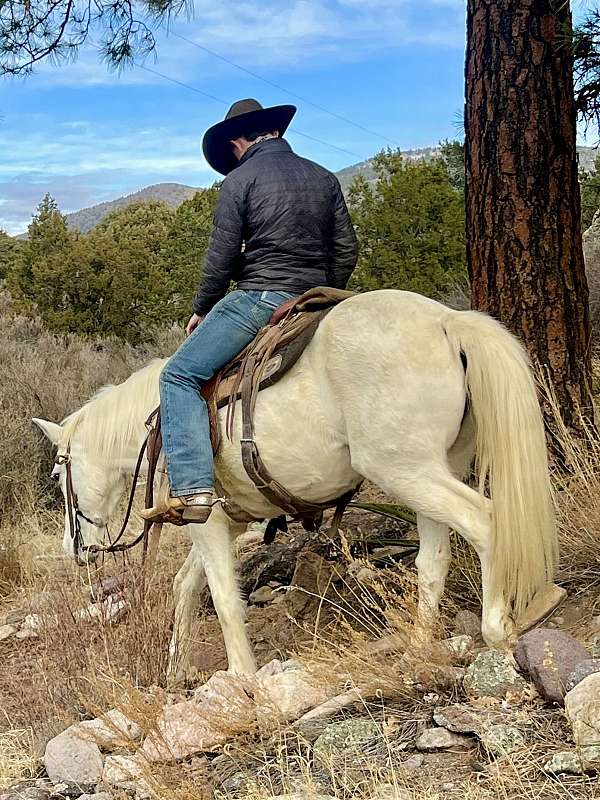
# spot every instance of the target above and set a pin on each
(342, 706)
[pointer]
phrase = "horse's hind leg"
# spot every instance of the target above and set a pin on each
(187, 588)
(432, 567)
(435, 493)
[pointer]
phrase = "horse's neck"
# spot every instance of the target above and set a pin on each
(127, 460)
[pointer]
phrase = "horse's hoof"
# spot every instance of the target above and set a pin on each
(544, 602)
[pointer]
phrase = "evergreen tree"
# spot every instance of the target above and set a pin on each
(32, 279)
(127, 247)
(590, 193)
(410, 227)
(453, 155)
(184, 248)
(38, 31)
(10, 252)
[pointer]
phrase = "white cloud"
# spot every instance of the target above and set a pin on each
(81, 164)
(261, 33)
(82, 147)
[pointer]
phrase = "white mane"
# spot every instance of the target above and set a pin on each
(108, 424)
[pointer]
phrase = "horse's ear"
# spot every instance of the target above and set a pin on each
(50, 429)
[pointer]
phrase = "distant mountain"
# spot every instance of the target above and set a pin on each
(365, 168)
(173, 194)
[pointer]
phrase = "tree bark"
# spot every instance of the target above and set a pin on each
(524, 245)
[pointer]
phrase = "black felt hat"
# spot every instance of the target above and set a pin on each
(244, 117)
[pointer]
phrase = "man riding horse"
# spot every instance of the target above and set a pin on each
(281, 227)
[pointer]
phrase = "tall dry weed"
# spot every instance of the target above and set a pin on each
(577, 498)
(49, 376)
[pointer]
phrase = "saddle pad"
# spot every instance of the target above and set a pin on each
(273, 352)
(282, 360)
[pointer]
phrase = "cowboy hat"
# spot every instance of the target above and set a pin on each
(244, 117)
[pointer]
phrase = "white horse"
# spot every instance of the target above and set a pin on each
(394, 388)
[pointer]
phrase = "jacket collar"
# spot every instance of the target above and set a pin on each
(268, 146)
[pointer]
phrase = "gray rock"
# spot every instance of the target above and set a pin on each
(25, 791)
(6, 631)
(565, 761)
(591, 757)
(126, 772)
(387, 791)
(69, 789)
(110, 730)
(574, 762)
(414, 762)
(457, 718)
(582, 705)
(262, 595)
(96, 796)
(30, 627)
(71, 759)
(549, 657)
(467, 623)
(492, 675)
(238, 782)
(458, 646)
(442, 739)
(341, 739)
(501, 740)
(581, 671)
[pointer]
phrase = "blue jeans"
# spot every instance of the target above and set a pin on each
(225, 331)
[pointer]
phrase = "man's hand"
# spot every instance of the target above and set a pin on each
(195, 320)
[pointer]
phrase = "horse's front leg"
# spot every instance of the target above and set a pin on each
(213, 540)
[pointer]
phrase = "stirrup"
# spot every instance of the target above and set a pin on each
(182, 510)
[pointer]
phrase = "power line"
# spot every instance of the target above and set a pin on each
(286, 91)
(224, 102)
(180, 83)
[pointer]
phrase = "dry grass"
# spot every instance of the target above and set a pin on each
(17, 758)
(577, 497)
(75, 670)
(48, 376)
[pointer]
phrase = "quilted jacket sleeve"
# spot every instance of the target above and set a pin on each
(224, 248)
(345, 244)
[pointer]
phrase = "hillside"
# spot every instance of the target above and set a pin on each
(347, 175)
(173, 194)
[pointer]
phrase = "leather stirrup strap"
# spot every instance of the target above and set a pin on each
(255, 468)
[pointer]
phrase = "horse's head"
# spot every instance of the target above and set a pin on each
(90, 491)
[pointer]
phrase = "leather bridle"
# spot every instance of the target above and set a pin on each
(151, 444)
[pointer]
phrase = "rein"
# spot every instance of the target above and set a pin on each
(151, 444)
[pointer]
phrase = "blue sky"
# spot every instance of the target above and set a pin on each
(87, 135)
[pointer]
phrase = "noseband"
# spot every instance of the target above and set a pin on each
(74, 513)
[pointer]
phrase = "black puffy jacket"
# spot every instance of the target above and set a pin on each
(281, 223)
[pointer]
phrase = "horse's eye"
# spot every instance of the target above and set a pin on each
(55, 476)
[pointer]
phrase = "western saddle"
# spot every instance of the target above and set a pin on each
(274, 351)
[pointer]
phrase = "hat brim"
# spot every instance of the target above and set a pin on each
(216, 144)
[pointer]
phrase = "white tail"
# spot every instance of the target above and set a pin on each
(511, 455)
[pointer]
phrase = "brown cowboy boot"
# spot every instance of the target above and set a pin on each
(181, 510)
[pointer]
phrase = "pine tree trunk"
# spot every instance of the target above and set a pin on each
(524, 244)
